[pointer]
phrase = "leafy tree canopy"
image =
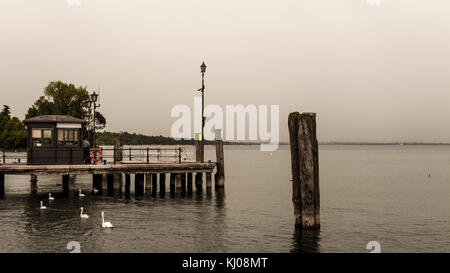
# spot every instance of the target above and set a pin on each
(12, 131)
(63, 99)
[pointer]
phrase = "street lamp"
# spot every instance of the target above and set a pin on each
(203, 70)
(93, 102)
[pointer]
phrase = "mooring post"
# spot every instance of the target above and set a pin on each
(148, 183)
(33, 183)
(189, 182)
(139, 184)
(305, 169)
(2, 184)
(118, 156)
(199, 182)
(220, 173)
(208, 181)
(162, 184)
(127, 183)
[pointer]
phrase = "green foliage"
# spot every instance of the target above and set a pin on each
(12, 131)
(64, 99)
(5, 116)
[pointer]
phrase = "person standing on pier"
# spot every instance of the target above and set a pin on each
(86, 147)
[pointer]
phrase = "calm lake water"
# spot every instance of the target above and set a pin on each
(368, 193)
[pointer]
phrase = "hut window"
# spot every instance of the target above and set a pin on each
(41, 137)
(68, 137)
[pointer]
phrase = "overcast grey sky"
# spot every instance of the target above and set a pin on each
(371, 73)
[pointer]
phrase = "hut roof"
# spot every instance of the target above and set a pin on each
(54, 118)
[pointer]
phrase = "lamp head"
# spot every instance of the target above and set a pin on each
(203, 68)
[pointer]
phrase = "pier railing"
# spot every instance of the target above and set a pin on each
(100, 155)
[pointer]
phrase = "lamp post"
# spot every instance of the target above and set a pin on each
(203, 70)
(93, 103)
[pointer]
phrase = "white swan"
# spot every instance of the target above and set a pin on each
(95, 190)
(81, 194)
(42, 206)
(82, 215)
(106, 224)
(50, 196)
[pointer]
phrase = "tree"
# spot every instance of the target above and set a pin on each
(63, 99)
(66, 99)
(13, 135)
(5, 116)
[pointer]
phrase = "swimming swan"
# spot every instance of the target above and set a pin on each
(81, 194)
(106, 224)
(50, 196)
(83, 216)
(42, 206)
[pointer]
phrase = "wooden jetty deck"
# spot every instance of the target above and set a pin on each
(110, 177)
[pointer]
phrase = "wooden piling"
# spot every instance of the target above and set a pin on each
(162, 184)
(33, 183)
(305, 170)
(183, 182)
(220, 174)
(199, 182)
(208, 181)
(148, 183)
(154, 182)
(118, 156)
(117, 183)
(198, 151)
(127, 183)
(2, 184)
(189, 182)
(178, 183)
(110, 183)
(96, 182)
(172, 183)
(68, 182)
(104, 187)
(139, 184)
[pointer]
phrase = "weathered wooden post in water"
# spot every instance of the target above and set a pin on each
(118, 156)
(220, 174)
(33, 183)
(305, 169)
(2, 184)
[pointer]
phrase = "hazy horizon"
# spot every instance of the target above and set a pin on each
(371, 73)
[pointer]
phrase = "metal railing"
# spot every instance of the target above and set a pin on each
(111, 155)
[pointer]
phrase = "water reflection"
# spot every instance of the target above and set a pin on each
(306, 241)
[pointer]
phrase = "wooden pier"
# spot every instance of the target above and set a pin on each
(110, 177)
